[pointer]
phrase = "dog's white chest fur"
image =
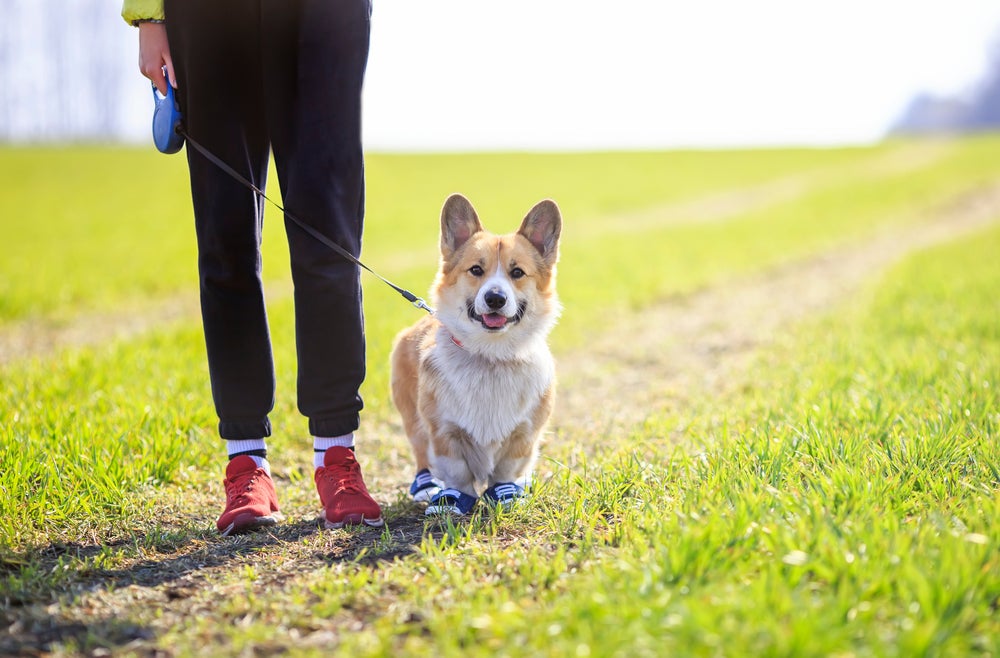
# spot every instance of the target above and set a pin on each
(488, 398)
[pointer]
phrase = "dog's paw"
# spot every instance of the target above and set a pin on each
(451, 501)
(504, 494)
(424, 487)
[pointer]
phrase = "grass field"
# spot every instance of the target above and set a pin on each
(832, 489)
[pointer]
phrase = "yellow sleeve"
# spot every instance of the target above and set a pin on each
(137, 10)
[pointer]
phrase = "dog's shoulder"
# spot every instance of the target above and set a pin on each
(414, 336)
(411, 345)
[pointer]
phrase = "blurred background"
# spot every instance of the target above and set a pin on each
(454, 75)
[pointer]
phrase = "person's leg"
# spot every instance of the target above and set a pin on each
(215, 47)
(316, 56)
(216, 52)
(316, 53)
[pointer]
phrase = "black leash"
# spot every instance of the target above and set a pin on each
(407, 295)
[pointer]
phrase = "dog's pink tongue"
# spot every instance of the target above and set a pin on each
(494, 320)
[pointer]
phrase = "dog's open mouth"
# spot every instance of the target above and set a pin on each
(493, 320)
(496, 321)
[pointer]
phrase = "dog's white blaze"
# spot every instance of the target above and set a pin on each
(501, 282)
(488, 398)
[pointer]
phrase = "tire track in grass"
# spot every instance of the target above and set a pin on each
(702, 341)
(644, 361)
(39, 338)
(730, 203)
(43, 337)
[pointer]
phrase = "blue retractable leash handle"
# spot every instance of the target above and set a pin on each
(167, 121)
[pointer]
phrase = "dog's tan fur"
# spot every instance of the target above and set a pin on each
(475, 397)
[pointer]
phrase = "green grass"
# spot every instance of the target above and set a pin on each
(94, 229)
(840, 498)
(846, 504)
(852, 498)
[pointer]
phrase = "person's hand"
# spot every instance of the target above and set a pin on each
(154, 55)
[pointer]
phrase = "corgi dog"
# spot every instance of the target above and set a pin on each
(475, 382)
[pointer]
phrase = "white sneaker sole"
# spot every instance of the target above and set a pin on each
(256, 524)
(374, 523)
(425, 495)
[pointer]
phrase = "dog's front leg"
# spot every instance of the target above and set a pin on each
(512, 470)
(515, 463)
(448, 460)
(449, 451)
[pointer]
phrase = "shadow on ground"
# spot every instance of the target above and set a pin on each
(45, 611)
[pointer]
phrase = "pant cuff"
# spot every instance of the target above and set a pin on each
(334, 426)
(234, 430)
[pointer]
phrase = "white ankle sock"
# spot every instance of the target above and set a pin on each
(234, 448)
(321, 443)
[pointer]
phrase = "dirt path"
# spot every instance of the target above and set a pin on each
(637, 363)
(700, 341)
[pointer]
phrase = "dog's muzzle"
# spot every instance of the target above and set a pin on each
(495, 321)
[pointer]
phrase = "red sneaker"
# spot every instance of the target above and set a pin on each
(343, 493)
(250, 499)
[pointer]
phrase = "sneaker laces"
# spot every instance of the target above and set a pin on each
(346, 476)
(238, 488)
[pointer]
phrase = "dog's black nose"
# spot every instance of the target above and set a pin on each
(495, 299)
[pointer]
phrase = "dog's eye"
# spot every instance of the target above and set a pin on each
(516, 273)
(476, 270)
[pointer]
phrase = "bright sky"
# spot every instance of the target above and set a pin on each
(579, 74)
(593, 74)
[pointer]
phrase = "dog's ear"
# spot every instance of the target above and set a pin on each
(541, 227)
(459, 222)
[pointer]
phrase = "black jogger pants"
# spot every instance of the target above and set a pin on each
(256, 76)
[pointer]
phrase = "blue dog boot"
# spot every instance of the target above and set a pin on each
(504, 494)
(424, 487)
(451, 501)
